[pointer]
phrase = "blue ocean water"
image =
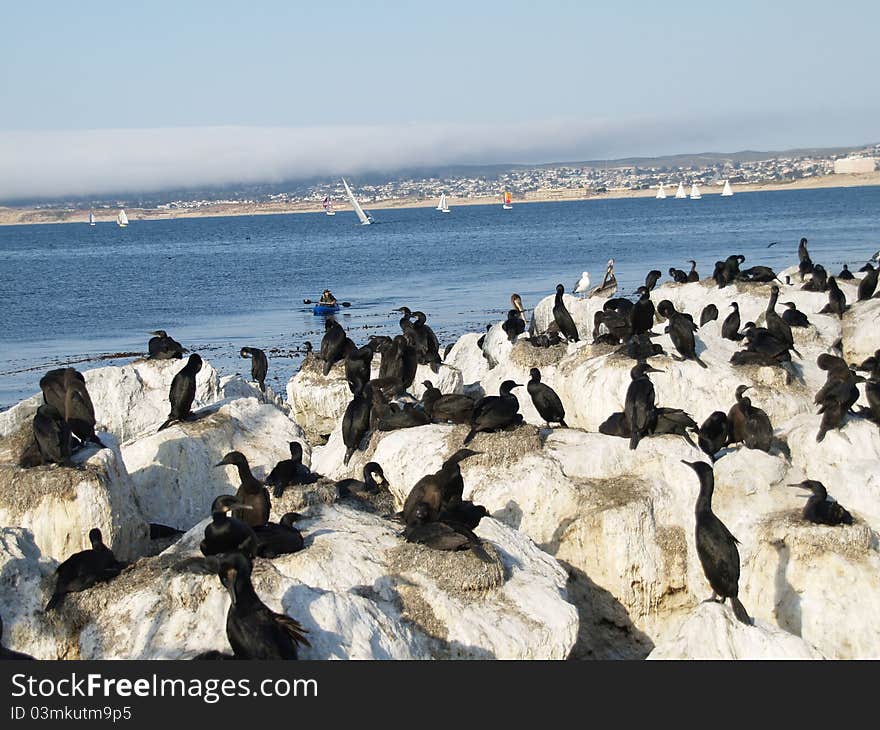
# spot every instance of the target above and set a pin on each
(70, 292)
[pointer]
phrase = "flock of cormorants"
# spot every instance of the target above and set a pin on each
(435, 514)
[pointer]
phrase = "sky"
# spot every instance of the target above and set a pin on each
(99, 97)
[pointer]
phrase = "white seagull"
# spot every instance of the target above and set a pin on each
(583, 284)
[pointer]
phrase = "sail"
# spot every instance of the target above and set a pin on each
(695, 192)
(442, 204)
(661, 192)
(680, 192)
(91, 219)
(362, 217)
(728, 191)
(507, 198)
(121, 218)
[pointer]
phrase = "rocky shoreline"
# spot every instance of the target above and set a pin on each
(592, 543)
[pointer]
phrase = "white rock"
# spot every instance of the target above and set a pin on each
(130, 400)
(173, 471)
(59, 505)
(361, 592)
(711, 631)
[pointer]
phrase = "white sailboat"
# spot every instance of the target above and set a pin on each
(364, 218)
(680, 192)
(443, 206)
(121, 219)
(328, 206)
(695, 192)
(728, 191)
(661, 192)
(91, 218)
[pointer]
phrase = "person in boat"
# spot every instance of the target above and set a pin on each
(328, 298)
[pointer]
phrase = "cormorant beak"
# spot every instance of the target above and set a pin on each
(221, 463)
(230, 583)
(516, 385)
(651, 369)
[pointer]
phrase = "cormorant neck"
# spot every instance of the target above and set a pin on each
(704, 501)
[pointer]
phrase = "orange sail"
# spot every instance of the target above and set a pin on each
(507, 198)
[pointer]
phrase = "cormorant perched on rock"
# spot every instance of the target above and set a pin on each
(374, 479)
(451, 407)
(639, 409)
(836, 300)
(805, 264)
(728, 272)
(562, 317)
(253, 631)
(545, 400)
(730, 325)
(84, 569)
(793, 317)
(356, 420)
(736, 417)
(818, 279)
(423, 340)
(749, 424)
(872, 387)
(652, 278)
(446, 535)
(868, 284)
(692, 274)
(259, 364)
(278, 539)
(65, 390)
(332, 344)
(163, 347)
(641, 316)
(714, 433)
(402, 361)
(757, 275)
(358, 361)
(183, 391)
(845, 274)
(514, 325)
(716, 546)
(288, 472)
(709, 314)
(251, 491)
(818, 509)
(617, 324)
(441, 491)
(681, 331)
(9, 654)
(391, 417)
(839, 393)
(678, 276)
(225, 533)
(762, 348)
(641, 347)
(52, 439)
(494, 412)
(675, 422)
(777, 326)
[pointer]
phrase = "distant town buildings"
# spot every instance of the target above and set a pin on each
(546, 182)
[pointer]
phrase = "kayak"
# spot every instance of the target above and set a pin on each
(325, 308)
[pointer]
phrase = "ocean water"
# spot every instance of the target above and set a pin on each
(70, 293)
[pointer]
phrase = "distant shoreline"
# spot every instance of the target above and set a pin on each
(30, 216)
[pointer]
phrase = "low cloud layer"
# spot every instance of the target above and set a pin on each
(58, 164)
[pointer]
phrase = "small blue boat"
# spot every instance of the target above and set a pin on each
(325, 309)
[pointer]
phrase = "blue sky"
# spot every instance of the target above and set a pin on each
(428, 82)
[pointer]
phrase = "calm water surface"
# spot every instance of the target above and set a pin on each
(70, 292)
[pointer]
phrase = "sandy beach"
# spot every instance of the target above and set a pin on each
(28, 216)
